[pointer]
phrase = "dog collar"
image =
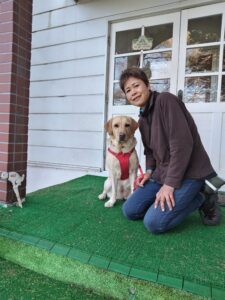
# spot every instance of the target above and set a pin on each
(124, 162)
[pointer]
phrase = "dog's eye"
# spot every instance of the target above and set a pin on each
(116, 125)
(127, 125)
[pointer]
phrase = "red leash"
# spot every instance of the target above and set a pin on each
(139, 178)
(140, 169)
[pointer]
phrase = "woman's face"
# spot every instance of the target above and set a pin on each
(136, 91)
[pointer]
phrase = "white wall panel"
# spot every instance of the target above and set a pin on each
(68, 156)
(100, 9)
(89, 9)
(71, 86)
(74, 68)
(70, 104)
(41, 21)
(79, 140)
(79, 122)
(92, 8)
(69, 51)
(40, 6)
(69, 33)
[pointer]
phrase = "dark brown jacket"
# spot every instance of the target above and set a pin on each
(173, 147)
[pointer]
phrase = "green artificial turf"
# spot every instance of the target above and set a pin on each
(19, 283)
(106, 284)
(68, 219)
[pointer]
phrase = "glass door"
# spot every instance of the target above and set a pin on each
(152, 44)
(201, 76)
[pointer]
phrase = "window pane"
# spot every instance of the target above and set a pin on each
(118, 95)
(202, 59)
(162, 35)
(224, 58)
(204, 30)
(124, 40)
(158, 64)
(222, 98)
(200, 89)
(121, 63)
(160, 85)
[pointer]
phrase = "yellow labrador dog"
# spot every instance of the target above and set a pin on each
(121, 160)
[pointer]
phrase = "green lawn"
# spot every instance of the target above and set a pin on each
(19, 283)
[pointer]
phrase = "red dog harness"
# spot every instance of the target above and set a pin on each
(124, 162)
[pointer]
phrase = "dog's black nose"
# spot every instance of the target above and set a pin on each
(122, 137)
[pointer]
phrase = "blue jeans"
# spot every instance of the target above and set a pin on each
(140, 205)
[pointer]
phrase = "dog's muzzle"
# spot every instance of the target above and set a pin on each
(122, 137)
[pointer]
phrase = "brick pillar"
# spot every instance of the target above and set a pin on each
(15, 50)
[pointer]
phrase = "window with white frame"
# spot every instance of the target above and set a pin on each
(149, 48)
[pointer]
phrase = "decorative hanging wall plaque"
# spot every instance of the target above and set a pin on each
(142, 43)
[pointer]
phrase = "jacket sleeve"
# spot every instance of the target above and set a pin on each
(150, 161)
(180, 140)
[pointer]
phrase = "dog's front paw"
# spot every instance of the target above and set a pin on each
(102, 196)
(110, 203)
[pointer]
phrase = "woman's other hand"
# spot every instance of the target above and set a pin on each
(165, 194)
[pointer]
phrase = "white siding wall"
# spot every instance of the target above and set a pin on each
(68, 79)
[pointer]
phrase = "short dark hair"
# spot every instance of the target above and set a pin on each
(133, 72)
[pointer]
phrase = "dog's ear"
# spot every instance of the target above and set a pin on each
(134, 125)
(108, 127)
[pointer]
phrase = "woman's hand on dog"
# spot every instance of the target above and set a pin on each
(165, 194)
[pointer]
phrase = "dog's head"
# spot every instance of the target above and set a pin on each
(121, 128)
